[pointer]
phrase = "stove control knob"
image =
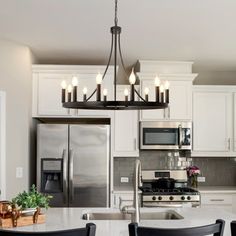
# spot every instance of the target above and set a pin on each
(189, 198)
(154, 198)
(171, 198)
(183, 198)
(159, 198)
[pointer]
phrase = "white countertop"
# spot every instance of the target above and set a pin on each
(67, 218)
(217, 189)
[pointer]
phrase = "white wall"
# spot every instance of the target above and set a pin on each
(15, 79)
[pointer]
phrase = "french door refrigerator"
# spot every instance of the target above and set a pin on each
(73, 164)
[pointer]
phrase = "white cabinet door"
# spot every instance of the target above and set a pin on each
(180, 106)
(211, 121)
(49, 94)
(125, 130)
(150, 114)
(223, 201)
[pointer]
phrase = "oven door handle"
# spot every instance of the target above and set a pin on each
(180, 133)
(166, 205)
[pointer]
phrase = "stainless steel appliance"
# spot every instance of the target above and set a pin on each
(178, 196)
(73, 164)
(166, 135)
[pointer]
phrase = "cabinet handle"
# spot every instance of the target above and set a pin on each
(135, 144)
(229, 144)
(164, 113)
(216, 200)
(168, 112)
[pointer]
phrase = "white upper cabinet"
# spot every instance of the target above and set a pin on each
(212, 121)
(47, 88)
(125, 129)
(180, 76)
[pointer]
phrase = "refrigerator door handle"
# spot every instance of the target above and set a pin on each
(65, 185)
(71, 175)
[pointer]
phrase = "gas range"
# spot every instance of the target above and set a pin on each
(180, 195)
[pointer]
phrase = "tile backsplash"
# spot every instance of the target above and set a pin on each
(218, 171)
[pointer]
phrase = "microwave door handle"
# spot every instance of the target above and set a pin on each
(180, 136)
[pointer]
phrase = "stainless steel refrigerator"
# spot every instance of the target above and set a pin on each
(73, 164)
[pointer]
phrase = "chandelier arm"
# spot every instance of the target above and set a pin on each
(139, 95)
(121, 58)
(108, 64)
(109, 59)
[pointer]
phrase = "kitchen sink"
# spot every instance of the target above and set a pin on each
(166, 215)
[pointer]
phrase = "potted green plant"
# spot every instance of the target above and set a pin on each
(29, 201)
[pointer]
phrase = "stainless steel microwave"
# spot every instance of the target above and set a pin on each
(166, 135)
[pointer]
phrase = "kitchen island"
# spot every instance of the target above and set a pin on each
(67, 218)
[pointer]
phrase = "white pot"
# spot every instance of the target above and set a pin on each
(29, 211)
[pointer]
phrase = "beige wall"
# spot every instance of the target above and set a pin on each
(215, 78)
(15, 79)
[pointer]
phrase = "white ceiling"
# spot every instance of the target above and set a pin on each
(78, 30)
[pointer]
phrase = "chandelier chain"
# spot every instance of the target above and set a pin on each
(116, 9)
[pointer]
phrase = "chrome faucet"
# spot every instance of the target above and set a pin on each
(135, 209)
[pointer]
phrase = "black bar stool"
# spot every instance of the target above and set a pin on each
(89, 230)
(233, 228)
(216, 229)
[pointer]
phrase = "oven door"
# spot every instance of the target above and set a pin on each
(165, 135)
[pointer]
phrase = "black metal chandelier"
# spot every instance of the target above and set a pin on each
(69, 93)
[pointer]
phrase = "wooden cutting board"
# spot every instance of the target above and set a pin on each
(22, 221)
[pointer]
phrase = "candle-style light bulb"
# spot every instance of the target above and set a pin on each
(132, 77)
(69, 91)
(75, 85)
(167, 85)
(63, 91)
(105, 95)
(126, 93)
(69, 88)
(85, 90)
(105, 92)
(63, 84)
(157, 82)
(132, 80)
(98, 81)
(74, 81)
(146, 91)
(99, 78)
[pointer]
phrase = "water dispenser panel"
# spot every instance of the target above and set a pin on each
(52, 175)
(52, 165)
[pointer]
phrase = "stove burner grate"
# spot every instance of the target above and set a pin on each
(175, 191)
